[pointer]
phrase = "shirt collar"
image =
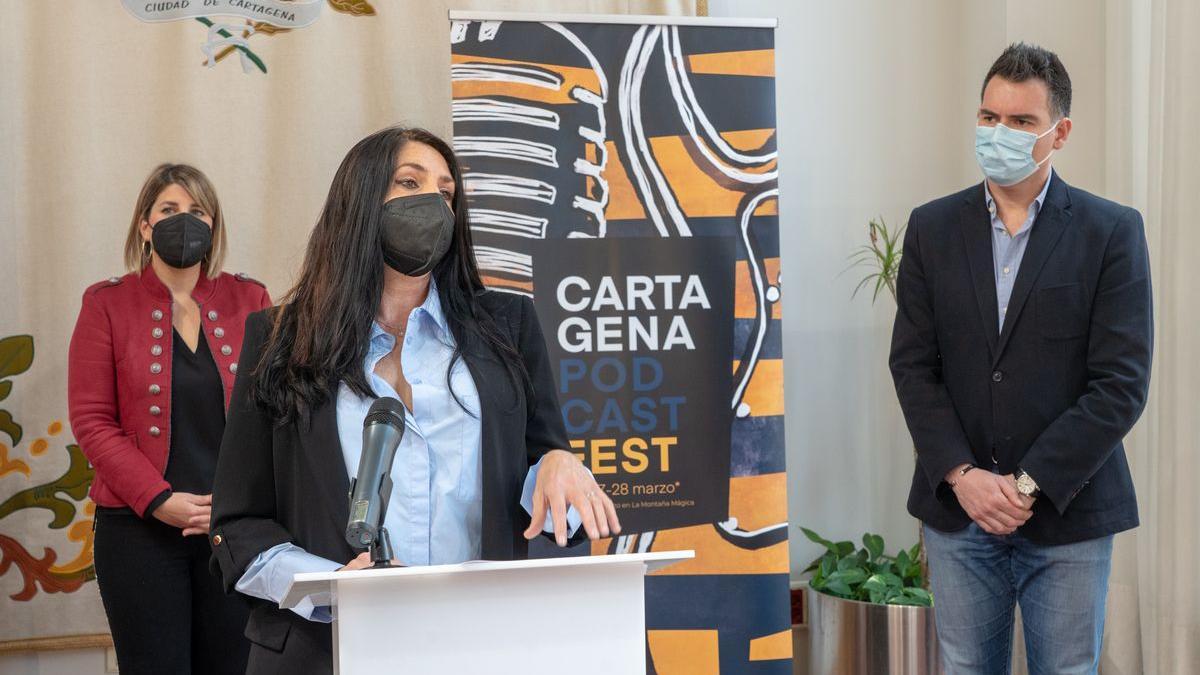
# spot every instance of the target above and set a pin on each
(432, 307)
(1037, 202)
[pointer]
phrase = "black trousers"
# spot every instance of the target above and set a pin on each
(166, 611)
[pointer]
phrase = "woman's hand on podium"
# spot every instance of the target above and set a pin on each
(362, 561)
(562, 481)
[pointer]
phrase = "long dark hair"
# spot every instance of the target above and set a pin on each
(321, 330)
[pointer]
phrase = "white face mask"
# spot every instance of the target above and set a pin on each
(1006, 155)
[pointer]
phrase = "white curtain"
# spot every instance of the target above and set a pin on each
(1153, 162)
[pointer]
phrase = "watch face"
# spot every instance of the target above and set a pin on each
(1025, 485)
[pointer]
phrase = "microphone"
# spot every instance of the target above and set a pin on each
(369, 492)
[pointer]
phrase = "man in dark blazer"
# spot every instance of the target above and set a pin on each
(1021, 357)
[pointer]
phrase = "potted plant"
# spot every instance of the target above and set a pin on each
(870, 612)
(882, 256)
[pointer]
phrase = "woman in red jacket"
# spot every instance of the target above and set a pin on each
(152, 364)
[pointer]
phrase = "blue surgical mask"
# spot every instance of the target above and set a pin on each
(1006, 155)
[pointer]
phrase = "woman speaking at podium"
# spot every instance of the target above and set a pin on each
(389, 302)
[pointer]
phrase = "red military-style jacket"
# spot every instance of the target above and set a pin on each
(119, 374)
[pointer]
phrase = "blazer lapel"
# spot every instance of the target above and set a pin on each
(976, 228)
(1047, 230)
(323, 453)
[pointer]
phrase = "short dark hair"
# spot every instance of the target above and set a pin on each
(1021, 62)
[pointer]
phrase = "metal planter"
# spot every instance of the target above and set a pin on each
(853, 638)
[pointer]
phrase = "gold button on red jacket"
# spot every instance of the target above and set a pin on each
(119, 374)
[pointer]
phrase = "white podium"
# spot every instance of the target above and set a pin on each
(580, 615)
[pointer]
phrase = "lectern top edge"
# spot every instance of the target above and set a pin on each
(304, 585)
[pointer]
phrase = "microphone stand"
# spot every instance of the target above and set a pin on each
(381, 545)
(381, 550)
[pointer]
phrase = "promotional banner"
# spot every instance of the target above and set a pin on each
(622, 172)
(640, 336)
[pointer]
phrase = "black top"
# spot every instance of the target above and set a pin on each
(197, 420)
(1054, 392)
(197, 417)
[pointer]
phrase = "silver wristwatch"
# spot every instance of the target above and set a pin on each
(1026, 485)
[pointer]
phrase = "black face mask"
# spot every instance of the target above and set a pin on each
(416, 233)
(181, 240)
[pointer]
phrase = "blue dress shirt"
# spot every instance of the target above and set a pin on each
(1009, 249)
(435, 510)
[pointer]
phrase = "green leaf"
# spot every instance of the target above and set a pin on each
(874, 545)
(891, 580)
(844, 548)
(16, 355)
(5, 388)
(847, 564)
(913, 596)
(914, 573)
(881, 581)
(818, 539)
(852, 576)
(919, 593)
(8, 426)
(838, 587)
(866, 280)
(828, 564)
(902, 560)
(874, 581)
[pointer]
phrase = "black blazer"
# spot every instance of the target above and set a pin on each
(1057, 389)
(288, 483)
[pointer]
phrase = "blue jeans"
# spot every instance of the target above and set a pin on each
(978, 578)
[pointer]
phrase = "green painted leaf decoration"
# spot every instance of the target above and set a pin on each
(74, 483)
(10, 427)
(16, 355)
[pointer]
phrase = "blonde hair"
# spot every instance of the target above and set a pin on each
(201, 189)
